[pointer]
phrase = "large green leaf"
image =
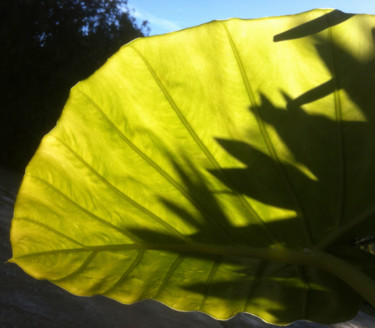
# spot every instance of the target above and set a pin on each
(223, 168)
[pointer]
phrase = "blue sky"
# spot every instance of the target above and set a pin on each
(170, 15)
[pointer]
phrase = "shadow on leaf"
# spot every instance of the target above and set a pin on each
(323, 180)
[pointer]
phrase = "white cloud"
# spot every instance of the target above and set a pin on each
(157, 25)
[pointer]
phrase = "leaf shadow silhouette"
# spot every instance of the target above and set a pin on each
(327, 189)
(314, 26)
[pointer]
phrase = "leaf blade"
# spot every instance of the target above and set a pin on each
(155, 171)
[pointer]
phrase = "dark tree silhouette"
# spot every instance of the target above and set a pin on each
(47, 47)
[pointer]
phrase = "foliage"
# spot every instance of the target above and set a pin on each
(48, 46)
(223, 168)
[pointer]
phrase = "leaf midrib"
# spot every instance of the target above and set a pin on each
(359, 281)
(277, 253)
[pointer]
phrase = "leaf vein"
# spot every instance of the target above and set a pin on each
(188, 127)
(307, 290)
(125, 196)
(155, 166)
(78, 270)
(45, 226)
(129, 270)
(340, 131)
(263, 132)
(257, 279)
(169, 274)
(92, 215)
(178, 112)
(199, 142)
(55, 251)
(210, 277)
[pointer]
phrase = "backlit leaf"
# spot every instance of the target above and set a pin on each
(224, 168)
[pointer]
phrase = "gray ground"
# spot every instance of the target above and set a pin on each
(26, 302)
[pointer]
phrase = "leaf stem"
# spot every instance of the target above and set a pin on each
(359, 281)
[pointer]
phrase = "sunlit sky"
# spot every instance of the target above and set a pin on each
(170, 15)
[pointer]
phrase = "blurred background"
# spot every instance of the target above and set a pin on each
(47, 47)
(50, 45)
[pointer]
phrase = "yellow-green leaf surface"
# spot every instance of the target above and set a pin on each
(224, 168)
